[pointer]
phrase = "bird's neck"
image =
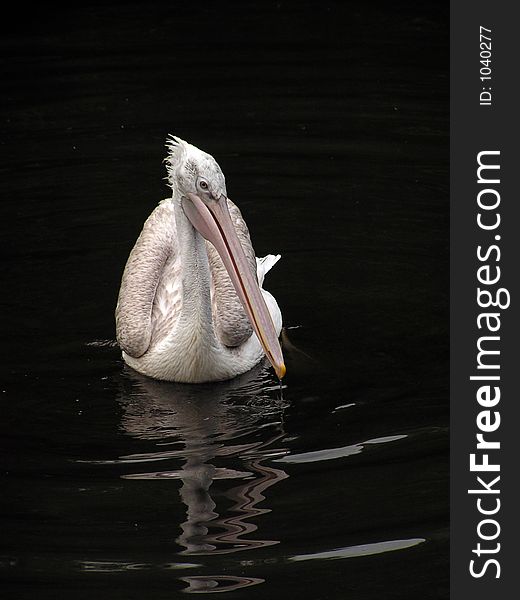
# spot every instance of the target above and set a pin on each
(196, 276)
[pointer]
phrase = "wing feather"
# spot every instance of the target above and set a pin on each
(153, 249)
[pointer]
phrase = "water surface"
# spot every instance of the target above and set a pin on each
(330, 122)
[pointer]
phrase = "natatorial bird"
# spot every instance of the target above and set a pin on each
(191, 307)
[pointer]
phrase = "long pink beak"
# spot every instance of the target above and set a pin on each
(213, 222)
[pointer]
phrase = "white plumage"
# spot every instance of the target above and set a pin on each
(192, 310)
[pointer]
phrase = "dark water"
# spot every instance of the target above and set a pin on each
(330, 121)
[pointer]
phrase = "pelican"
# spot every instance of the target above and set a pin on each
(191, 307)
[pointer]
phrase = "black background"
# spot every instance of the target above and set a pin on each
(330, 121)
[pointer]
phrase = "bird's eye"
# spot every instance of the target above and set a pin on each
(203, 184)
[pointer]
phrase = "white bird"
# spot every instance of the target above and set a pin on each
(191, 307)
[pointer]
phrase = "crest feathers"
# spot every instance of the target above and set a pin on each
(176, 152)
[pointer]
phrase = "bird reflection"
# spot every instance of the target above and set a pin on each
(225, 431)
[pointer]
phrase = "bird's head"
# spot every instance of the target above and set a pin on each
(192, 171)
(199, 185)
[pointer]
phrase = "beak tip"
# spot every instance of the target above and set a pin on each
(280, 370)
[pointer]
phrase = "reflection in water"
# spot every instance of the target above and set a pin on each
(333, 453)
(218, 583)
(360, 550)
(236, 424)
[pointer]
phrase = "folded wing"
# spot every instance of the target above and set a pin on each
(142, 275)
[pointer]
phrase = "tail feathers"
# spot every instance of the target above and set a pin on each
(264, 265)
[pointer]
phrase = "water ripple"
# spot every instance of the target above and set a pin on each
(333, 453)
(361, 550)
